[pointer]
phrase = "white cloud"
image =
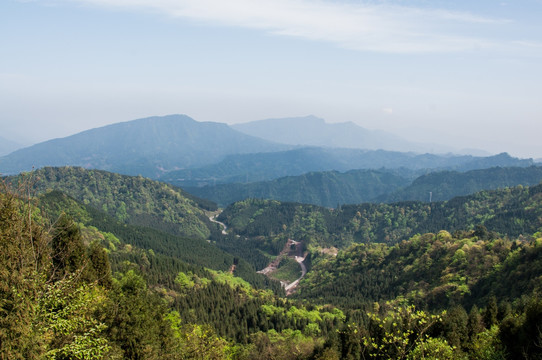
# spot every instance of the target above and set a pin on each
(358, 26)
(388, 111)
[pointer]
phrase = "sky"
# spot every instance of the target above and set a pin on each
(461, 73)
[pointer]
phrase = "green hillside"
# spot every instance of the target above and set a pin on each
(430, 270)
(357, 186)
(509, 212)
(445, 185)
(133, 200)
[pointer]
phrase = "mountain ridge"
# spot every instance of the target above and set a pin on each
(147, 146)
(329, 188)
(314, 131)
(243, 168)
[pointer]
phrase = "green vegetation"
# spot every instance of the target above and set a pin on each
(445, 185)
(432, 271)
(155, 251)
(322, 188)
(133, 200)
(507, 212)
(77, 282)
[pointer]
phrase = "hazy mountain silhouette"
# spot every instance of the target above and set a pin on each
(244, 168)
(8, 146)
(313, 131)
(146, 146)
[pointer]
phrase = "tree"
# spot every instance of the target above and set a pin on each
(24, 259)
(68, 251)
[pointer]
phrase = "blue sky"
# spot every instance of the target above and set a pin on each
(463, 73)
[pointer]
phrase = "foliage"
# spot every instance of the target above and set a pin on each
(24, 261)
(70, 330)
(319, 188)
(60, 298)
(508, 212)
(401, 332)
(445, 185)
(130, 199)
(435, 271)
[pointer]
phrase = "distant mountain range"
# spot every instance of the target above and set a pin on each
(181, 151)
(145, 147)
(357, 186)
(268, 166)
(8, 146)
(313, 131)
(320, 188)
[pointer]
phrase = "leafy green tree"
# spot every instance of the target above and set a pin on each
(100, 268)
(487, 345)
(432, 349)
(70, 330)
(455, 327)
(521, 334)
(24, 255)
(135, 320)
(491, 312)
(68, 251)
(404, 329)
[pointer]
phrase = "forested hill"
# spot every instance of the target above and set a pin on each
(430, 270)
(320, 188)
(511, 211)
(356, 186)
(130, 199)
(147, 146)
(158, 254)
(445, 185)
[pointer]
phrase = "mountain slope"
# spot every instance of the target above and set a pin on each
(313, 131)
(144, 244)
(429, 270)
(358, 186)
(509, 212)
(130, 199)
(448, 184)
(147, 146)
(319, 188)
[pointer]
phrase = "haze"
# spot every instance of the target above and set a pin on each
(466, 74)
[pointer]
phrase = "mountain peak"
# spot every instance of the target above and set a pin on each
(311, 130)
(146, 146)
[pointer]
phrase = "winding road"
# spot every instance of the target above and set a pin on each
(273, 265)
(224, 227)
(290, 288)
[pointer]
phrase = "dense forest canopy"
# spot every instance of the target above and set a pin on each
(509, 212)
